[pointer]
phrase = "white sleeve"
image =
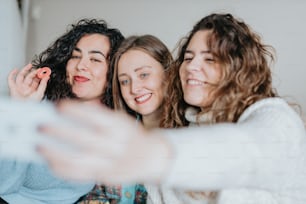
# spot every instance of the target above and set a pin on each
(266, 150)
(18, 128)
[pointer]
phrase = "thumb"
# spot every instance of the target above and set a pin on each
(42, 86)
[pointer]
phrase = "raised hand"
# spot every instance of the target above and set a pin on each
(25, 84)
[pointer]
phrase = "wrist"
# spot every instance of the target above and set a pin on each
(159, 158)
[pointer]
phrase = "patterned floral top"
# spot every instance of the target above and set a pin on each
(133, 194)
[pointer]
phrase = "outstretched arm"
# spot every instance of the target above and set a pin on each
(108, 146)
(265, 150)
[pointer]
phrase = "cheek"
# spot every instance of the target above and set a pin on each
(182, 80)
(162, 86)
(181, 72)
(100, 74)
(125, 92)
(69, 74)
(70, 66)
(216, 74)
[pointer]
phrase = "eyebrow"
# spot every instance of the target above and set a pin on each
(136, 70)
(91, 52)
(142, 67)
(202, 52)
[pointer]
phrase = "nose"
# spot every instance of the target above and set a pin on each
(135, 87)
(83, 64)
(194, 65)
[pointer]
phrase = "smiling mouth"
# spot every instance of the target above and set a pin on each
(143, 98)
(194, 82)
(80, 79)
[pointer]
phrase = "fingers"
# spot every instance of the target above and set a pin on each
(64, 162)
(30, 78)
(25, 76)
(71, 133)
(42, 85)
(94, 116)
(25, 85)
(67, 164)
(23, 72)
(83, 138)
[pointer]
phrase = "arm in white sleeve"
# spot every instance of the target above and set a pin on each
(265, 149)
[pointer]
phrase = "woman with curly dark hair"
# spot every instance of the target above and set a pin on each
(62, 57)
(79, 64)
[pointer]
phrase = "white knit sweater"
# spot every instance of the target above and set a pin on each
(261, 159)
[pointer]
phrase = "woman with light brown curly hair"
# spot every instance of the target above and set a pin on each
(244, 144)
(233, 50)
(222, 75)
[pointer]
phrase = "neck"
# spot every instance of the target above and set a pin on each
(152, 120)
(91, 102)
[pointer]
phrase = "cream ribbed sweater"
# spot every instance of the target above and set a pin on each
(261, 159)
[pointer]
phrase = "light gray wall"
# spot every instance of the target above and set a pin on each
(12, 41)
(281, 23)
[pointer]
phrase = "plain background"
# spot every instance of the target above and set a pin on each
(281, 24)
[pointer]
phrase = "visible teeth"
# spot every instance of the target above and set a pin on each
(194, 82)
(142, 98)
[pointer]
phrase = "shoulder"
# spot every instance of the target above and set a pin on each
(273, 112)
(268, 106)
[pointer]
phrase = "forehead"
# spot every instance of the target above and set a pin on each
(199, 40)
(94, 42)
(134, 59)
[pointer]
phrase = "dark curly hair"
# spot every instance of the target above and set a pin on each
(57, 55)
(245, 71)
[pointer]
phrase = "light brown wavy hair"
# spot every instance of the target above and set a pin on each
(148, 44)
(245, 71)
